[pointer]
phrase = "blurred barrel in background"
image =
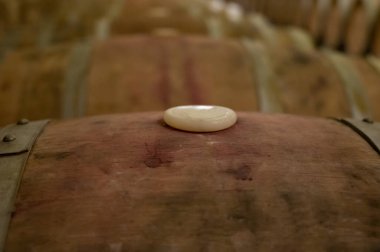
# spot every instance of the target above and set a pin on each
(123, 75)
(141, 73)
(349, 25)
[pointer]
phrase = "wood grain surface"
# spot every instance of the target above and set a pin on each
(148, 73)
(130, 183)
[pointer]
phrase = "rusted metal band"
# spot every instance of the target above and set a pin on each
(368, 130)
(374, 62)
(102, 28)
(74, 93)
(302, 40)
(215, 27)
(266, 79)
(357, 96)
(264, 29)
(16, 142)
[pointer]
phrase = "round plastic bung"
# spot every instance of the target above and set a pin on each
(200, 118)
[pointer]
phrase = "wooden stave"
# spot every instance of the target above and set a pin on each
(361, 26)
(60, 202)
(317, 19)
(337, 23)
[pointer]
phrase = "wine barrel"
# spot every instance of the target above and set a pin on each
(361, 82)
(309, 84)
(361, 26)
(323, 83)
(130, 183)
(69, 80)
(144, 73)
(125, 74)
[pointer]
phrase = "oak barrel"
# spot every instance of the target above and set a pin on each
(130, 183)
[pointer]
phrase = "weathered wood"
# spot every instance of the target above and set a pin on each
(128, 183)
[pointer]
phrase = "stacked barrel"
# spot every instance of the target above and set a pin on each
(112, 176)
(349, 25)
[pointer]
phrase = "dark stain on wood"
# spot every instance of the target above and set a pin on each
(333, 246)
(246, 212)
(301, 58)
(355, 177)
(99, 122)
(243, 172)
(53, 155)
(154, 156)
(374, 203)
(289, 200)
(320, 84)
(5, 86)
